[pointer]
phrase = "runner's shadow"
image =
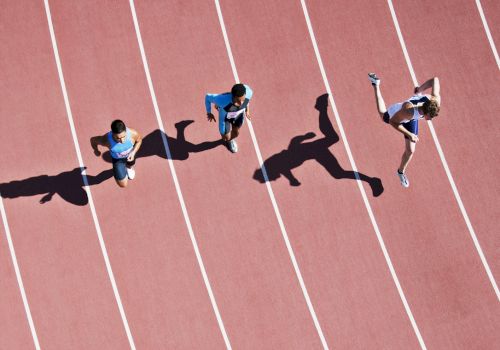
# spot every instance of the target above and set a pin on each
(152, 144)
(68, 185)
(299, 151)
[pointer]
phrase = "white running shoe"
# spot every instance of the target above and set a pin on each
(233, 146)
(374, 79)
(131, 173)
(404, 180)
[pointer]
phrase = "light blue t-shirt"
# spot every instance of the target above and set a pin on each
(223, 100)
(120, 150)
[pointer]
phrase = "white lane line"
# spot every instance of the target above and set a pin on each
(360, 185)
(270, 191)
(18, 274)
(84, 176)
(488, 33)
(174, 176)
(445, 163)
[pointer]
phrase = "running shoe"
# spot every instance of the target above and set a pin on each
(131, 173)
(404, 180)
(233, 146)
(374, 79)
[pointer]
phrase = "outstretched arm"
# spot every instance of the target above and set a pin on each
(433, 84)
(209, 99)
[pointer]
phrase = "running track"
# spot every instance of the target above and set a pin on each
(195, 254)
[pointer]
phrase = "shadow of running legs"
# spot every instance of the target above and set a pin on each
(299, 151)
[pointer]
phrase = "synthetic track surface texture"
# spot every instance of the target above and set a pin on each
(249, 268)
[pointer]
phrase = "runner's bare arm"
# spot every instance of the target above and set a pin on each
(436, 88)
(404, 114)
(99, 141)
(433, 84)
(209, 99)
(247, 112)
(137, 138)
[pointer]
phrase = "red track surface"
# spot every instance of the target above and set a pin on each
(162, 287)
(62, 267)
(491, 9)
(250, 270)
(15, 330)
(426, 235)
(468, 66)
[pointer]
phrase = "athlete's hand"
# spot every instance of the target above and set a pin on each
(210, 117)
(97, 152)
(413, 138)
(131, 157)
(248, 116)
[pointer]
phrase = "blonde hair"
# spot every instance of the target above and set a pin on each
(431, 108)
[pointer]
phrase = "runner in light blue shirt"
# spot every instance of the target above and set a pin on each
(232, 107)
(123, 144)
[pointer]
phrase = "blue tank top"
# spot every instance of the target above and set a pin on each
(120, 150)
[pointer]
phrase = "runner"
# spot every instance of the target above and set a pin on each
(232, 107)
(123, 144)
(404, 116)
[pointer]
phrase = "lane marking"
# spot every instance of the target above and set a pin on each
(84, 176)
(174, 176)
(270, 191)
(444, 162)
(18, 275)
(488, 33)
(358, 180)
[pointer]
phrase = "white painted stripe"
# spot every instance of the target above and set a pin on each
(270, 191)
(360, 185)
(18, 274)
(488, 33)
(445, 163)
(84, 176)
(174, 176)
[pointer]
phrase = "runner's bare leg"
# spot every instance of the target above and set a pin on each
(380, 101)
(407, 155)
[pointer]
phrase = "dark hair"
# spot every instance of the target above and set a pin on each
(238, 90)
(117, 126)
(431, 108)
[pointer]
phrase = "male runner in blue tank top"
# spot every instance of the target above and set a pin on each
(123, 144)
(404, 116)
(232, 107)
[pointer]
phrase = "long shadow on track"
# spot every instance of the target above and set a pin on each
(68, 185)
(299, 151)
(152, 144)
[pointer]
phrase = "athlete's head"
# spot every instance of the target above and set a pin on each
(431, 109)
(119, 130)
(238, 91)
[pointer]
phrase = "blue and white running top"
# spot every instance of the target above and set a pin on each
(226, 108)
(416, 101)
(120, 150)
